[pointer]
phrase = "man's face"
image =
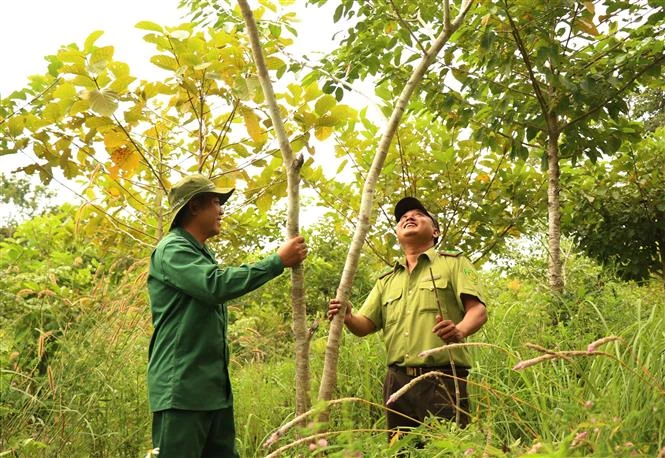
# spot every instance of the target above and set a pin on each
(208, 216)
(415, 226)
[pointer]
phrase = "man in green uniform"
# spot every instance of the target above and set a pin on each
(189, 389)
(428, 299)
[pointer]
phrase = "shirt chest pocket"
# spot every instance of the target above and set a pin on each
(434, 295)
(391, 306)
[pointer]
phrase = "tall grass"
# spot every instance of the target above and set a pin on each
(609, 402)
(92, 399)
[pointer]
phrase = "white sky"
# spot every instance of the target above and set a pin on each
(31, 29)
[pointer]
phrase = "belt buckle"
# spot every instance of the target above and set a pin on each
(412, 371)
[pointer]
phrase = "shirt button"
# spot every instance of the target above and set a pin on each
(406, 334)
(406, 355)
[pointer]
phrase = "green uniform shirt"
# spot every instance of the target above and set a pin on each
(404, 305)
(189, 351)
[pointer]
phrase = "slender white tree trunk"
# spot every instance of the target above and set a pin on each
(292, 166)
(329, 377)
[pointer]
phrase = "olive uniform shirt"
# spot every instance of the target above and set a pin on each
(188, 354)
(404, 305)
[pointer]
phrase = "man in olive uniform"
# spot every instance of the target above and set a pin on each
(189, 388)
(428, 299)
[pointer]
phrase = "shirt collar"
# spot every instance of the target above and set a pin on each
(430, 254)
(182, 232)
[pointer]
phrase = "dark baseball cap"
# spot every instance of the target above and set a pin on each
(411, 203)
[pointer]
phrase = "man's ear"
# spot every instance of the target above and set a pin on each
(193, 206)
(436, 233)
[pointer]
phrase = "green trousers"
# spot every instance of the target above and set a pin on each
(194, 434)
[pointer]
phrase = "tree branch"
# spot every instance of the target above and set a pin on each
(406, 26)
(527, 61)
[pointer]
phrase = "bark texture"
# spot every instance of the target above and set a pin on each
(292, 165)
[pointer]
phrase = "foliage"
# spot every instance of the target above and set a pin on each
(91, 397)
(616, 210)
(127, 139)
(20, 200)
(74, 321)
(481, 198)
(649, 106)
(545, 80)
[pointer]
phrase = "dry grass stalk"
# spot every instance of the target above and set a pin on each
(399, 393)
(554, 355)
(274, 437)
(51, 379)
(594, 345)
(41, 342)
(460, 345)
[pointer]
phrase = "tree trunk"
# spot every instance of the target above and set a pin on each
(329, 377)
(292, 166)
(554, 263)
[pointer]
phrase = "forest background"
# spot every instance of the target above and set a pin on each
(535, 135)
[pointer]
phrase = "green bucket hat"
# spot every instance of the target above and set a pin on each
(190, 186)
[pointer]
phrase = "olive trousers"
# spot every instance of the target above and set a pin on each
(434, 395)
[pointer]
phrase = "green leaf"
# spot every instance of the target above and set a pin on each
(324, 104)
(179, 34)
(338, 13)
(147, 25)
(90, 41)
(165, 62)
(103, 102)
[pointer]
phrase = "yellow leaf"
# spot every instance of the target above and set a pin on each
(269, 5)
(113, 139)
(79, 106)
(322, 132)
(591, 8)
(225, 181)
(15, 124)
(274, 63)
(587, 27)
(125, 160)
(483, 178)
(90, 41)
(514, 285)
(263, 202)
(65, 91)
(485, 20)
(254, 129)
(115, 192)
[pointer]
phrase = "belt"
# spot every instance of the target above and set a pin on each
(417, 371)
